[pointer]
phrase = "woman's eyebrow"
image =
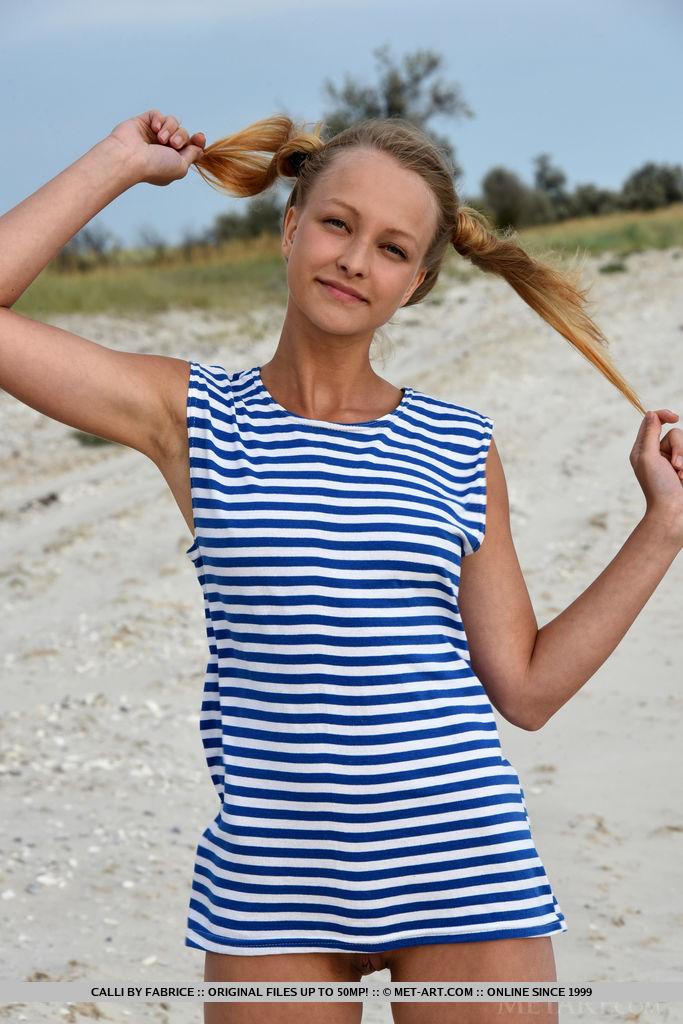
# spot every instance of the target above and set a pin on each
(394, 231)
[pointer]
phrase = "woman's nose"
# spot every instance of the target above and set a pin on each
(354, 260)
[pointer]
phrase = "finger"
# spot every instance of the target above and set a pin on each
(672, 440)
(155, 119)
(179, 138)
(191, 153)
(672, 447)
(182, 137)
(646, 425)
(193, 148)
(167, 129)
(648, 436)
(673, 452)
(666, 415)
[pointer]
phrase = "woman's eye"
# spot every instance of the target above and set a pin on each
(337, 220)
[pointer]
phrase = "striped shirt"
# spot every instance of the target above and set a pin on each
(364, 799)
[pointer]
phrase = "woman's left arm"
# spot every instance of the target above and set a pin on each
(569, 649)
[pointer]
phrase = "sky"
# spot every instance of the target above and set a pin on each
(596, 85)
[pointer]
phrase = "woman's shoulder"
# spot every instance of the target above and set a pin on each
(451, 413)
(215, 380)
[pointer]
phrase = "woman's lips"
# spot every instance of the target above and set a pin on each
(338, 294)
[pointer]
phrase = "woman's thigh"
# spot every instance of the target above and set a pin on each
(509, 960)
(282, 967)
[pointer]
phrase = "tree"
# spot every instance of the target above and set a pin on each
(92, 246)
(653, 185)
(589, 201)
(551, 182)
(70, 257)
(150, 239)
(96, 242)
(192, 242)
(402, 92)
(536, 208)
(504, 197)
(263, 214)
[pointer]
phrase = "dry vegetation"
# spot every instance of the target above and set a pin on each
(243, 275)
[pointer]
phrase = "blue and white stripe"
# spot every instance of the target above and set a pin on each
(365, 802)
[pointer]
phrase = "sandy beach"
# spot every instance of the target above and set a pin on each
(104, 790)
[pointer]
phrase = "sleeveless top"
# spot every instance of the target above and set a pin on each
(364, 799)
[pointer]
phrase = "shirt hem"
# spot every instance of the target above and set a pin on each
(196, 941)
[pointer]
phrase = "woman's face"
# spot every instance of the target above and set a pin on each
(377, 250)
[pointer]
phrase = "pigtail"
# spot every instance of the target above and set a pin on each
(555, 294)
(235, 164)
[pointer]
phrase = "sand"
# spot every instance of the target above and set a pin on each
(103, 786)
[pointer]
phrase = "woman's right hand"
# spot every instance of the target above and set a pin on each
(158, 145)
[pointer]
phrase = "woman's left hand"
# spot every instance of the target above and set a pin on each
(658, 466)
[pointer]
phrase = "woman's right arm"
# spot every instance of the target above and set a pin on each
(122, 396)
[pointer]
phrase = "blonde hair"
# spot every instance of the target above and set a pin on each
(235, 165)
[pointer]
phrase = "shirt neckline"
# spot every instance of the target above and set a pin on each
(335, 424)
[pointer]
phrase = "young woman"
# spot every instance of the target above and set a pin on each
(360, 632)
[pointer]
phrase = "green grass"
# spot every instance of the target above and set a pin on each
(618, 233)
(234, 280)
(245, 275)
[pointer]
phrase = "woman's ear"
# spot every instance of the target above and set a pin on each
(414, 286)
(288, 231)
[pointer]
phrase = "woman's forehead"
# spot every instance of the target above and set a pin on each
(375, 181)
(361, 163)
